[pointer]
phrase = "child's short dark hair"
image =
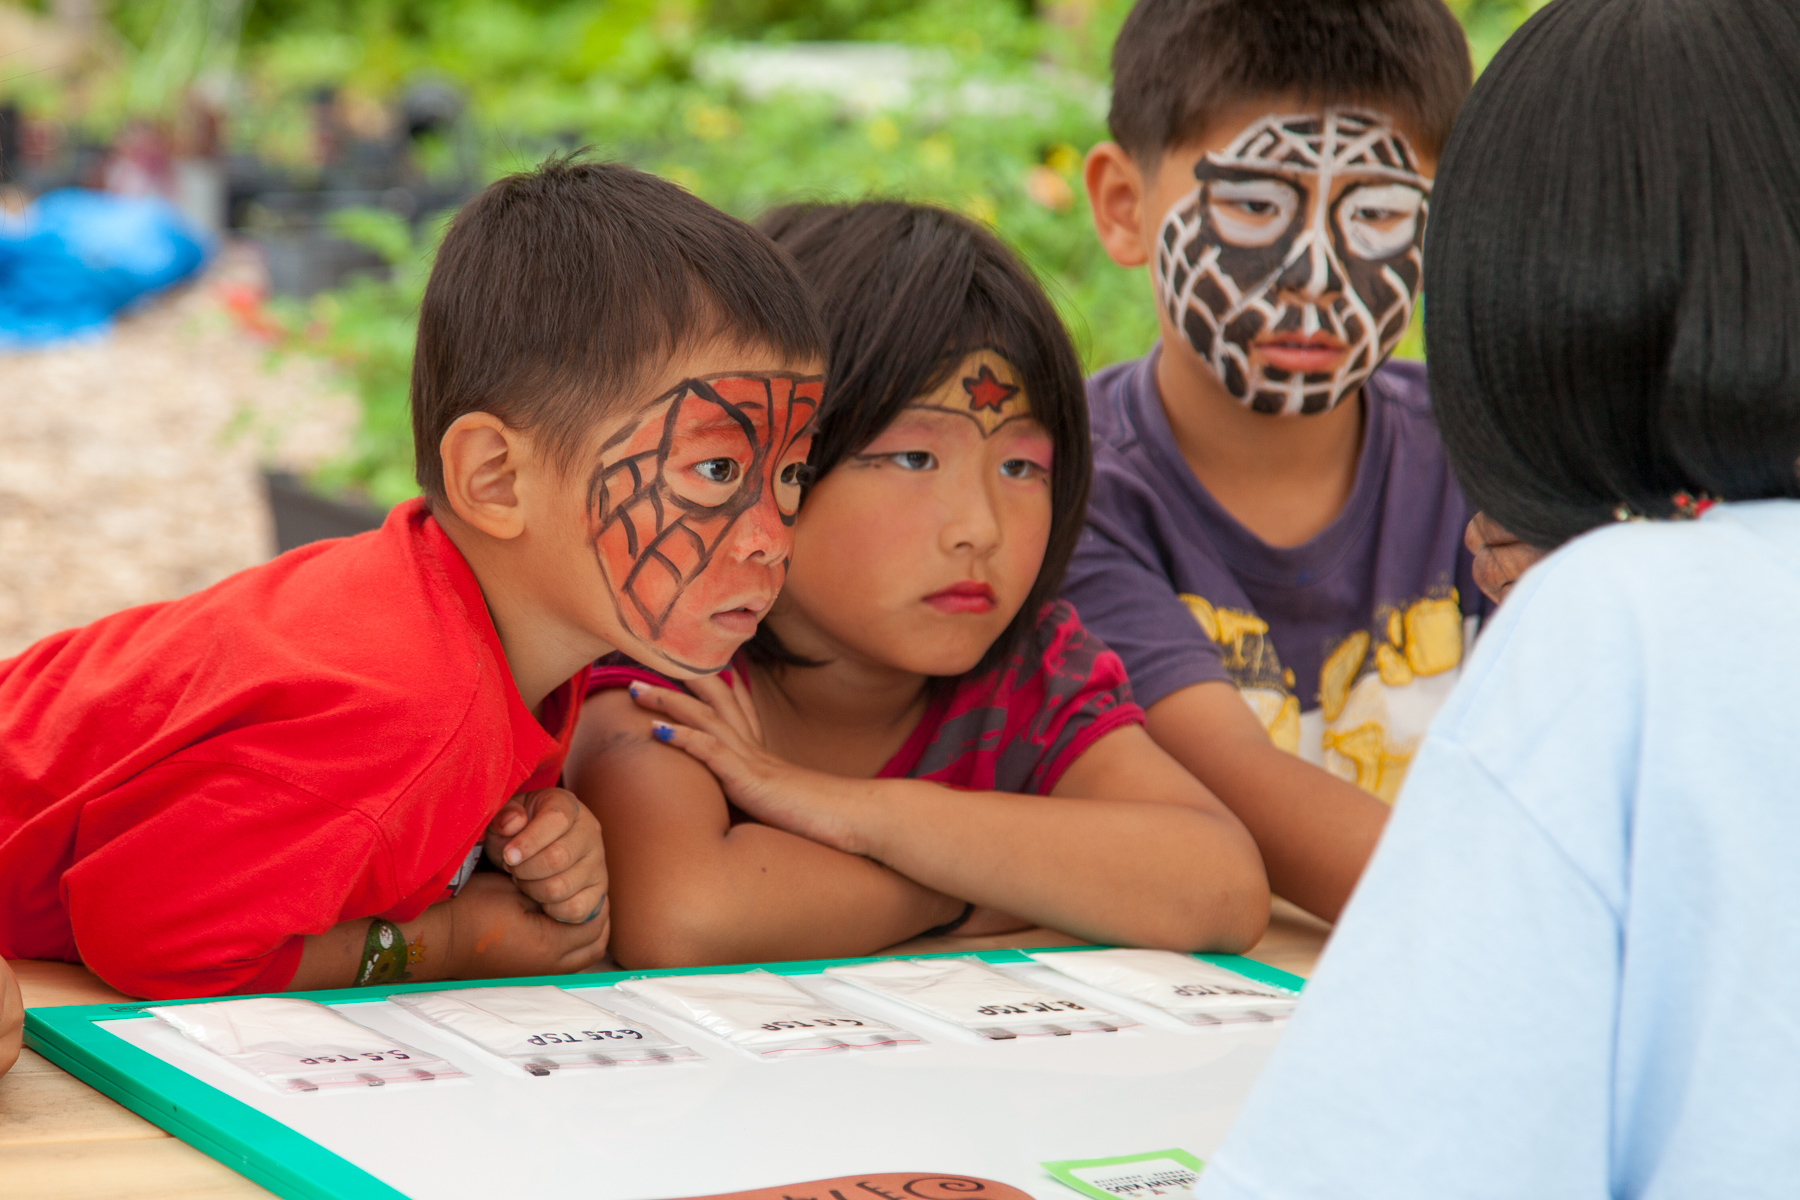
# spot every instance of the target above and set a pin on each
(1611, 262)
(1176, 62)
(907, 292)
(556, 291)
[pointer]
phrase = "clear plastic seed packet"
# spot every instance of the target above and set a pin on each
(543, 1029)
(300, 1045)
(970, 993)
(1183, 986)
(764, 1013)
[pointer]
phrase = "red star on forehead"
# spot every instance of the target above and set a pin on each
(986, 391)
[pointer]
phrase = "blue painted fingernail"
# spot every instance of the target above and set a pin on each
(661, 732)
(633, 689)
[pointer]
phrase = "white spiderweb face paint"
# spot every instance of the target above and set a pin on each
(1305, 225)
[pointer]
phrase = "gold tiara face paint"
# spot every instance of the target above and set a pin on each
(985, 389)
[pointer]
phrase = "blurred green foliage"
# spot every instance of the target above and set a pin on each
(1489, 23)
(365, 328)
(996, 129)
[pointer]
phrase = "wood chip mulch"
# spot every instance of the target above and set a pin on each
(129, 465)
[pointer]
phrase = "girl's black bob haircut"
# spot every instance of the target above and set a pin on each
(1612, 262)
(907, 292)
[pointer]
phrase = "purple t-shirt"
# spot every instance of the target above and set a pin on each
(1344, 646)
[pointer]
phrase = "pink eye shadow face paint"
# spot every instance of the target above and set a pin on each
(1294, 265)
(693, 508)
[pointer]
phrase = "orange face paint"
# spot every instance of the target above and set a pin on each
(693, 506)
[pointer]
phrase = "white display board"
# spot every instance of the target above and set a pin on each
(956, 1104)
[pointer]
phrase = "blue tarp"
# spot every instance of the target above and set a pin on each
(76, 257)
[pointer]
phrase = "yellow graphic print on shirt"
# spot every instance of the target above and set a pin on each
(1251, 661)
(1377, 690)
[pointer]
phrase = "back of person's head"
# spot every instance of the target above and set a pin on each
(907, 292)
(1612, 256)
(558, 291)
(1176, 62)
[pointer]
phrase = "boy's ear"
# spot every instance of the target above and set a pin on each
(1115, 188)
(482, 458)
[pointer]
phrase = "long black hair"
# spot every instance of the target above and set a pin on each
(907, 292)
(1613, 263)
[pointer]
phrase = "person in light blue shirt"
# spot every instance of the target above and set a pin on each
(1573, 966)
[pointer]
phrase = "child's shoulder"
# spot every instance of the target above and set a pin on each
(1017, 728)
(1058, 632)
(388, 603)
(620, 670)
(355, 623)
(281, 673)
(1402, 386)
(1112, 393)
(1061, 657)
(1405, 381)
(1405, 445)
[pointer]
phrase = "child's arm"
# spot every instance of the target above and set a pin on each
(550, 917)
(490, 930)
(12, 1018)
(1128, 848)
(1316, 831)
(692, 888)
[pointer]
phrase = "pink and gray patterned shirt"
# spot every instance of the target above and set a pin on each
(1014, 729)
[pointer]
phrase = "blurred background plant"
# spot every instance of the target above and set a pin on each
(343, 131)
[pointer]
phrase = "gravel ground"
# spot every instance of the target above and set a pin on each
(129, 465)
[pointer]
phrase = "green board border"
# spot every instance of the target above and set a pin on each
(268, 1153)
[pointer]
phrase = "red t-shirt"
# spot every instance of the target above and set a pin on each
(1015, 729)
(185, 788)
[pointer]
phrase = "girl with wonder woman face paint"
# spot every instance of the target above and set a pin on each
(921, 739)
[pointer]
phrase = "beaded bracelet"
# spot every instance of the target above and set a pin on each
(384, 955)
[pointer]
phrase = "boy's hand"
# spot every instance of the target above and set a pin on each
(1500, 558)
(549, 842)
(718, 726)
(496, 930)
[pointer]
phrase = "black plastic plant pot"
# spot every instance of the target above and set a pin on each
(302, 515)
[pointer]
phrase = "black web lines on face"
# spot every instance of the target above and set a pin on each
(655, 537)
(1305, 225)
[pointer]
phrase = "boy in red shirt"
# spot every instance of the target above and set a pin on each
(288, 780)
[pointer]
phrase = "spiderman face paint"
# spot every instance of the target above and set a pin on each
(692, 507)
(1294, 265)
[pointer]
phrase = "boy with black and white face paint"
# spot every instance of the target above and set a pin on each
(1293, 265)
(1274, 538)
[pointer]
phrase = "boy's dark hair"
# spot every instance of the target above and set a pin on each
(1176, 62)
(1611, 263)
(907, 292)
(557, 290)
